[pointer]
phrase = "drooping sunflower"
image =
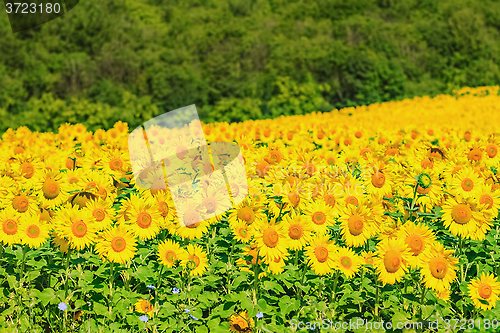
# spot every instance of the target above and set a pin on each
(60, 242)
(438, 267)
(241, 323)
(10, 220)
(169, 252)
(275, 265)
(485, 288)
(116, 245)
(320, 254)
(419, 239)
(33, 232)
(145, 307)
(196, 260)
(299, 229)
(77, 226)
(368, 258)
(347, 262)
(392, 260)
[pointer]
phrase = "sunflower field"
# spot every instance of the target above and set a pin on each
(378, 218)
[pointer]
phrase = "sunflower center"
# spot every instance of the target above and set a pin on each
(352, 200)
(467, 184)
(346, 262)
(270, 237)
(355, 224)
(10, 227)
(243, 232)
(20, 203)
(294, 199)
(461, 213)
(170, 256)
(427, 164)
(438, 267)
(485, 291)
(191, 219)
(144, 220)
(321, 253)
(330, 200)
(118, 244)
(492, 150)
(209, 205)
(486, 199)
(79, 229)
(295, 231)
(99, 214)
(378, 179)
(392, 261)
(196, 260)
(163, 208)
(319, 218)
(50, 189)
(33, 231)
(28, 170)
(475, 155)
(415, 244)
(115, 164)
(246, 214)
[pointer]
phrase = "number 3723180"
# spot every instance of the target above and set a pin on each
(32, 8)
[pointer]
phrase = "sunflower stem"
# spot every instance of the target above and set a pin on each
(335, 283)
(111, 274)
(68, 256)
(377, 295)
(256, 282)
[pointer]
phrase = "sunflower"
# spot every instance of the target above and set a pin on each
(271, 239)
(115, 163)
(299, 229)
(33, 232)
(485, 288)
(22, 200)
(392, 259)
(196, 260)
(241, 323)
(144, 306)
(169, 252)
(116, 245)
(276, 265)
(347, 261)
(418, 238)
(321, 253)
(242, 232)
(77, 226)
(466, 183)
(368, 258)
(52, 189)
(320, 215)
(443, 294)
(165, 205)
(460, 217)
(356, 225)
(60, 242)
(102, 211)
(379, 181)
(10, 220)
(438, 267)
(190, 230)
(142, 219)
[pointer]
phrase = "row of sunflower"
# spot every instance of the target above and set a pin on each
(402, 187)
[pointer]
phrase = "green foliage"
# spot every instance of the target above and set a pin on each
(242, 59)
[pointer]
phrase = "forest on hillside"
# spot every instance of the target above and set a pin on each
(240, 59)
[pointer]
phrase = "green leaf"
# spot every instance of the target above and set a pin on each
(262, 304)
(269, 285)
(47, 295)
(144, 273)
(100, 309)
(201, 329)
